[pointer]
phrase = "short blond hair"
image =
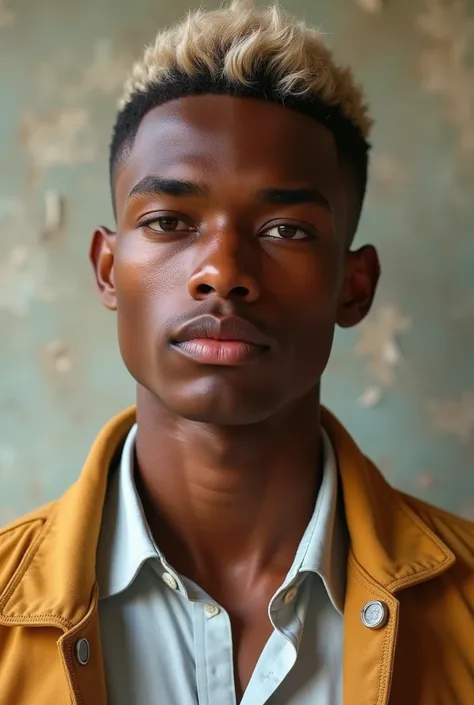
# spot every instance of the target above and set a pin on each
(231, 43)
(243, 51)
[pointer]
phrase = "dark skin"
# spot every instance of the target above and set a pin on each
(228, 456)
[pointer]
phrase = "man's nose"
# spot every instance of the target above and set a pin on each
(228, 269)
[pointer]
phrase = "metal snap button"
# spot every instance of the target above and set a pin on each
(83, 651)
(374, 614)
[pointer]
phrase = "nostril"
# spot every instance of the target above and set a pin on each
(240, 291)
(204, 289)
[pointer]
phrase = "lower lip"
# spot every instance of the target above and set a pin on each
(220, 352)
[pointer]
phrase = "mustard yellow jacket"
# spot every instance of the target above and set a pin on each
(416, 560)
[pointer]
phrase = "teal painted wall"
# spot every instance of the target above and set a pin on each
(404, 384)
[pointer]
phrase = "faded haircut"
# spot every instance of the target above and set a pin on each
(257, 53)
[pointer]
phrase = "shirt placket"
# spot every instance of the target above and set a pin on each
(214, 657)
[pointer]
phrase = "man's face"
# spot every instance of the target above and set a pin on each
(231, 209)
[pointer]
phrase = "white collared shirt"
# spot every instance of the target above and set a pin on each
(166, 641)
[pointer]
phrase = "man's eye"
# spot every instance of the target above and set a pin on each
(287, 232)
(166, 224)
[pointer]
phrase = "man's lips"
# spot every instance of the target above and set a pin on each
(230, 328)
(221, 341)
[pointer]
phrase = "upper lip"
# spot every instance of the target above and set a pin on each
(230, 328)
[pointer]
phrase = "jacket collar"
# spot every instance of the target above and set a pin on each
(55, 581)
(387, 538)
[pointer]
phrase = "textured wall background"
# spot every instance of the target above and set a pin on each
(404, 383)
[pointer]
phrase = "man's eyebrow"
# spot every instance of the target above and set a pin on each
(293, 197)
(157, 186)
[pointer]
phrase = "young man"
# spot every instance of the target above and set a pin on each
(227, 541)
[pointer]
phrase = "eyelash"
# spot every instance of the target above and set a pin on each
(150, 221)
(308, 235)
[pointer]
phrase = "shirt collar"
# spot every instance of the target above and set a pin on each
(325, 544)
(126, 543)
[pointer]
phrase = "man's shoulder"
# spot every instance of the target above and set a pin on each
(18, 538)
(454, 531)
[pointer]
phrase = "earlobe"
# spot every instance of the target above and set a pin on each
(101, 256)
(359, 287)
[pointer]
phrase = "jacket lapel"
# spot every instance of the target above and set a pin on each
(391, 549)
(54, 583)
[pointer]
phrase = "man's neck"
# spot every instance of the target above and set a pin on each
(228, 501)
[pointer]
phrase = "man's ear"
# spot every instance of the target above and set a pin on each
(101, 255)
(362, 272)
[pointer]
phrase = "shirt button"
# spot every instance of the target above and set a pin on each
(83, 651)
(374, 614)
(290, 595)
(211, 610)
(170, 581)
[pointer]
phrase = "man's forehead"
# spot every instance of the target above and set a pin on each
(211, 110)
(208, 133)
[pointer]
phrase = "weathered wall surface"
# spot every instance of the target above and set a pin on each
(404, 383)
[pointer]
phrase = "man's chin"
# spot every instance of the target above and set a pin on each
(218, 403)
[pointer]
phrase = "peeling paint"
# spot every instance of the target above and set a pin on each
(24, 268)
(455, 416)
(386, 175)
(59, 357)
(370, 397)
(7, 16)
(370, 5)
(54, 205)
(105, 73)
(24, 279)
(377, 341)
(60, 138)
(446, 68)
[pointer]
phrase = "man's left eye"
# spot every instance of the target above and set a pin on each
(287, 232)
(166, 224)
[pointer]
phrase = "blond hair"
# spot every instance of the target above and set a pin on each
(230, 44)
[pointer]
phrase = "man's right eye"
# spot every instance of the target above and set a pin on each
(165, 224)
